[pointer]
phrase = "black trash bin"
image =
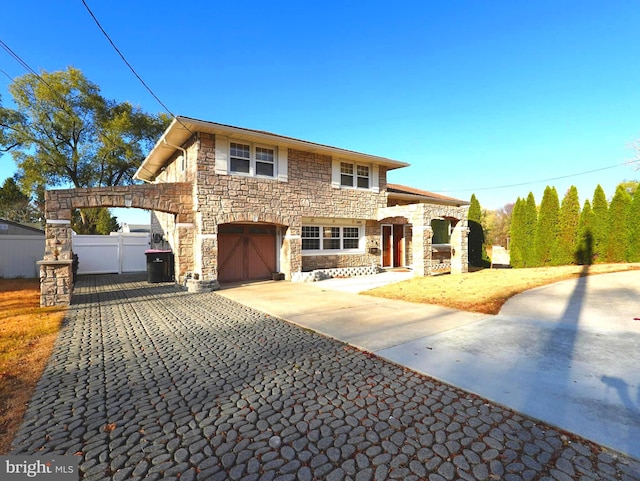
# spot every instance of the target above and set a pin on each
(159, 266)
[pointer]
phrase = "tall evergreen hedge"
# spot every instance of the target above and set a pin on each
(547, 227)
(600, 228)
(584, 244)
(633, 228)
(476, 240)
(564, 234)
(618, 238)
(517, 234)
(564, 249)
(529, 232)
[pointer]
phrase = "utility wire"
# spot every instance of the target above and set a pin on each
(539, 181)
(26, 66)
(104, 32)
(63, 102)
(5, 73)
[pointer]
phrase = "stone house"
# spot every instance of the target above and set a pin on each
(263, 203)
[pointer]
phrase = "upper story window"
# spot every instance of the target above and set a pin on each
(355, 175)
(251, 160)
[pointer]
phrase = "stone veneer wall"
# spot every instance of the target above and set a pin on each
(307, 193)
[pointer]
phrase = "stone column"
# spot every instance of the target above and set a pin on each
(184, 250)
(56, 276)
(291, 251)
(459, 248)
(205, 262)
(422, 236)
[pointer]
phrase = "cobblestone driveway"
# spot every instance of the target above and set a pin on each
(149, 383)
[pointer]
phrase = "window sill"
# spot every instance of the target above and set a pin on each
(333, 252)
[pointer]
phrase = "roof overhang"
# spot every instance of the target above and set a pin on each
(425, 198)
(182, 128)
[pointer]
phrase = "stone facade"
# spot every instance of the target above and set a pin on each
(307, 193)
(193, 194)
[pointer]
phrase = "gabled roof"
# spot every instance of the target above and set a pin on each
(182, 128)
(411, 193)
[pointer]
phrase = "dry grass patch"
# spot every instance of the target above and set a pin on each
(486, 290)
(27, 335)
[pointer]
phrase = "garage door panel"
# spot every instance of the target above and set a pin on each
(246, 252)
(260, 263)
(231, 257)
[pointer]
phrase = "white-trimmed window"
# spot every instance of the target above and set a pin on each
(310, 237)
(251, 159)
(330, 239)
(355, 175)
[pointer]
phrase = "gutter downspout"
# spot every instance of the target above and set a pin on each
(184, 151)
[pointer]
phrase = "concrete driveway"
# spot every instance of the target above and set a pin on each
(566, 353)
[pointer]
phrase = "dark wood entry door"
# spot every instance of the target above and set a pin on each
(393, 246)
(387, 237)
(246, 252)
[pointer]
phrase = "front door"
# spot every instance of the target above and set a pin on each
(246, 252)
(387, 245)
(393, 245)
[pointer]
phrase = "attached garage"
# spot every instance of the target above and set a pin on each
(246, 252)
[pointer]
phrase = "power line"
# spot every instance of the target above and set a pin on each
(6, 74)
(104, 32)
(63, 102)
(539, 181)
(27, 67)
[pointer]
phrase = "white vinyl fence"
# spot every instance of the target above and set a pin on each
(19, 254)
(111, 254)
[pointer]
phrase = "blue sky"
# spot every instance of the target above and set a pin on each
(474, 95)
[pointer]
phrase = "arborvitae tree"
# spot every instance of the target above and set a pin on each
(600, 228)
(547, 227)
(529, 231)
(518, 238)
(477, 249)
(564, 249)
(617, 243)
(633, 229)
(584, 246)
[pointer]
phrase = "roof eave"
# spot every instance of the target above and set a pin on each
(431, 200)
(181, 128)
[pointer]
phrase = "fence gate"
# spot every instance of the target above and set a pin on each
(111, 254)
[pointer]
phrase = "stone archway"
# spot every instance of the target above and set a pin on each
(420, 216)
(56, 282)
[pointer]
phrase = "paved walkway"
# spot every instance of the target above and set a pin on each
(149, 383)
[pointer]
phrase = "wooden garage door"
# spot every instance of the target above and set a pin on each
(246, 252)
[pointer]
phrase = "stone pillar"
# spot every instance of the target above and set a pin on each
(56, 276)
(205, 263)
(291, 251)
(184, 250)
(460, 248)
(421, 242)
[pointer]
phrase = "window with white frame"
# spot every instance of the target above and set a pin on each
(251, 159)
(330, 239)
(355, 175)
(310, 238)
